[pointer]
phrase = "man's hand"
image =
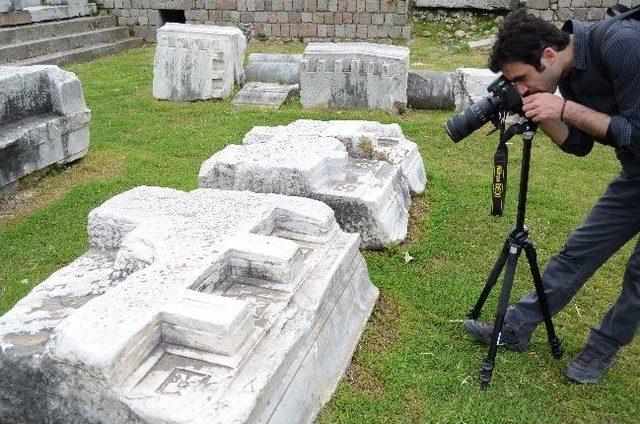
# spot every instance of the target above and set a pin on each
(542, 107)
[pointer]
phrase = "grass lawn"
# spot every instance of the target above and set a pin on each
(414, 362)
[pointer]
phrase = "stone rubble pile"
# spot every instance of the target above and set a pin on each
(203, 307)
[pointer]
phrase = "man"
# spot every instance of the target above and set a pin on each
(537, 58)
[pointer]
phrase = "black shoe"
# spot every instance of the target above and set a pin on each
(589, 365)
(482, 332)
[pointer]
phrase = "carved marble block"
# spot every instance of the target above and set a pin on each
(363, 140)
(369, 197)
(44, 120)
(354, 75)
(204, 307)
(197, 62)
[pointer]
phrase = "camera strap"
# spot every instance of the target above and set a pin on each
(499, 191)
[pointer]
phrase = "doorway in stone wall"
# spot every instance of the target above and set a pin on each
(172, 15)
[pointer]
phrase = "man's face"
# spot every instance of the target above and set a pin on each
(528, 80)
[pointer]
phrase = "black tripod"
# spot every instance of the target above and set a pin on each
(517, 241)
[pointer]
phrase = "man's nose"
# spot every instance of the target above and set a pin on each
(522, 89)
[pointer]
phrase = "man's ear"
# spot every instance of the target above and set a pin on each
(548, 56)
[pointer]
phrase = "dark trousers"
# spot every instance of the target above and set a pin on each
(613, 221)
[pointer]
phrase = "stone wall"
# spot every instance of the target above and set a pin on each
(561, 10)
(372, 20)
(556, 11)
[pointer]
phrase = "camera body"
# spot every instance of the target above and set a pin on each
(504, 98)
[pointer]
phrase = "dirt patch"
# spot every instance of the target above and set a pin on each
(365, 380)
(420, 207)
(50, 184)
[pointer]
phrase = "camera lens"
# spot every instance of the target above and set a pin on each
(472, 118)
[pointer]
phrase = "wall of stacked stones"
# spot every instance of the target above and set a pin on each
(561, 10)
(370, 20)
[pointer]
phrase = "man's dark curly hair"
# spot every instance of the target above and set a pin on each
(522, 38)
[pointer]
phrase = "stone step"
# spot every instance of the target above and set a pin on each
(24, 33)
(83, 53)
(45, 13)
(22, 51)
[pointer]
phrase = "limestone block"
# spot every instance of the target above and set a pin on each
(44, 119)
(197, 62)
(363, 140)
(265, 94)
(470, 84)
(368, 197)
(430, 90)
(354, 75)
(282, 68)
(204, 307)
(469, 4)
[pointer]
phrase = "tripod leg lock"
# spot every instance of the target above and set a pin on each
(485, 373)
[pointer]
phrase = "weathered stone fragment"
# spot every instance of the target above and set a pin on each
(363, 140)
(204, 307)
(354, 75)
(44, 120)
(430, 90)
(280, 68)
(265, 94)
(197, 62)
(368, 197)
(470, 84)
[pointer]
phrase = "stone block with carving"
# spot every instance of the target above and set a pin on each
(197, 62)
(354, 75)
(363, 140)
(369, 197)
(204, 307)
(44, 120)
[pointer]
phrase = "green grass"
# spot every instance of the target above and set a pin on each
(414, 363)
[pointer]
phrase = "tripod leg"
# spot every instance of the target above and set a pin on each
(491, 281)
(554, 342)
(489, 363)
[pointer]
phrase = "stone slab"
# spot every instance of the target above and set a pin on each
(368, 197)
(469, 4)
(430, 90)
(280, 68)
(362, 139)
(203, 307)
(265, 94)
(354, 75)
(470, 84)
(197, 62)
(45, 120)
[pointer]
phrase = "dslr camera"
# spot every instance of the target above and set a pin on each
(504, 100)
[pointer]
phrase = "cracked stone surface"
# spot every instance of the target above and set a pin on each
(354, 75)
(363, 140)
(197, 62)
(44, 118)
(369, 197)
(202, 307)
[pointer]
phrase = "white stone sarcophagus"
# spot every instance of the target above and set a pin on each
(363, 140)
(369, 197)
(354, 75)
(204, 307)
(44, 120)
(197, 62)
